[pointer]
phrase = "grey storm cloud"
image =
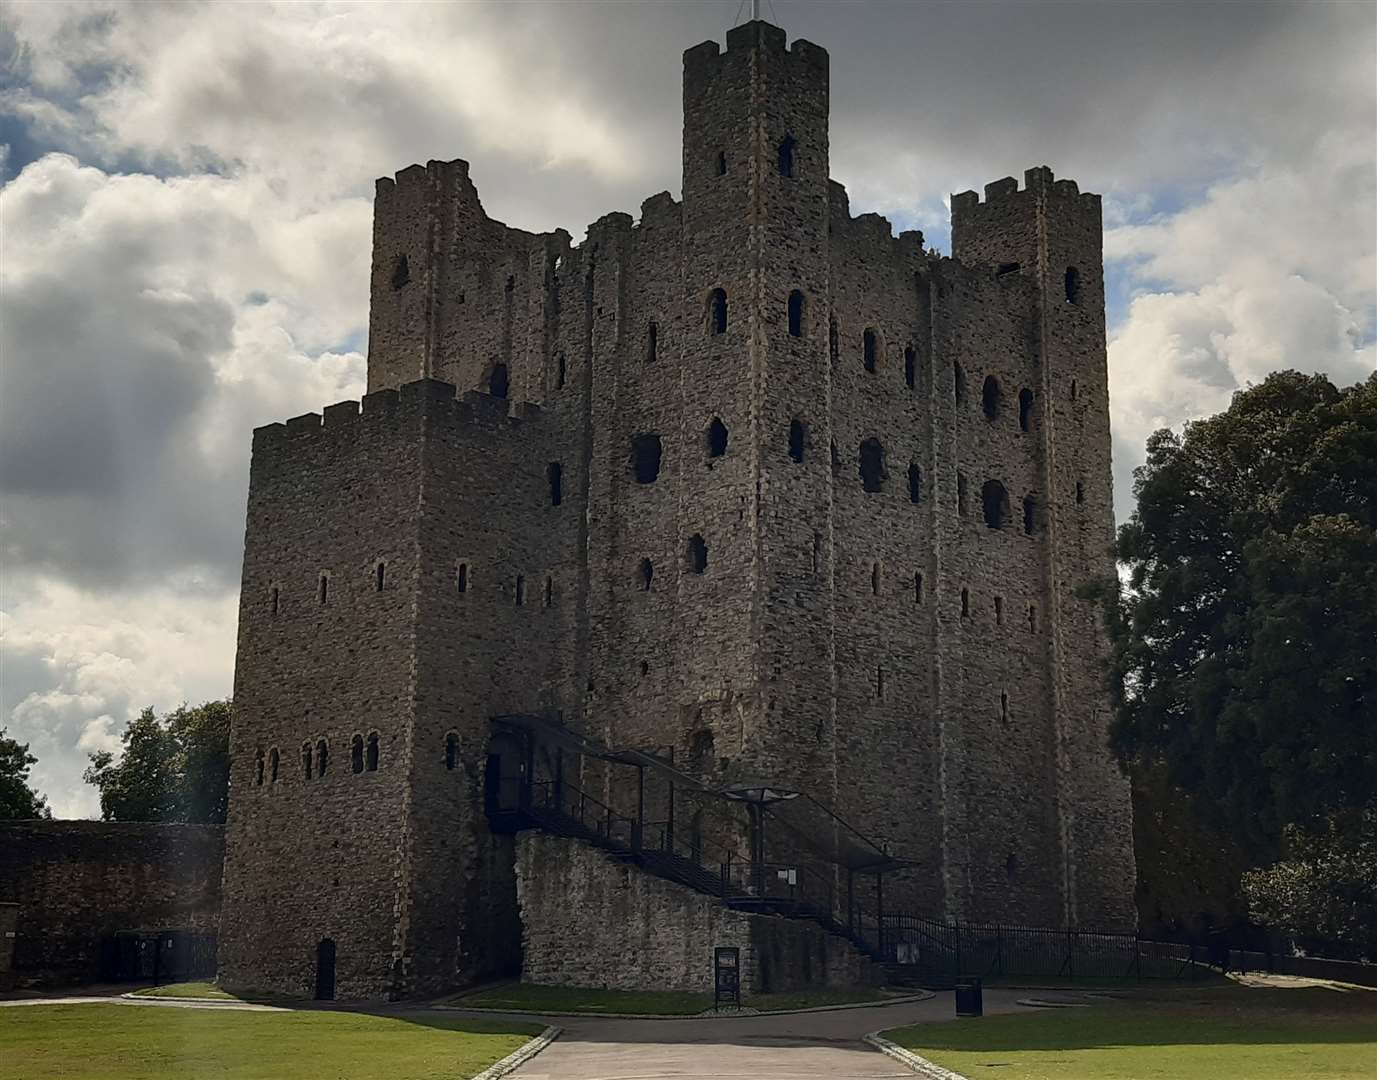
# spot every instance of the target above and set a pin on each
(187, 207)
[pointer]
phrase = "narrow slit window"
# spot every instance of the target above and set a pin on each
(258, 769)
(991, 398)
(520, 590)
(461, 578)
(1004, 706)
(918, 588)
(652, 337)
(1025, 409)
(959, 383)
(817, 551)
(697, 553)
(880, 682)
(380, 576)
(401, 272)
(915, 483)
(798, 437)
(549, 591)
(717, 311)
(498, 381)
(910, 368)
(322, 757)
(872, 465)
(717, 437)
(1033, 617)
(1073, 285)
(721, 163)
(961, 499)
(276, 599)
(1080, 492)
(647, 574)
(1030, 515)
(561, 371)
(999, 610)
(786, 156)
(833, 339)
(965, 603)
(796, 314)
(451, 751)
(356, 754)
(875, 579)
(870, 350)
(306, 761)
(324, 588)
(554, 473)
(372, 759)
(1073, 389)
(274, 763)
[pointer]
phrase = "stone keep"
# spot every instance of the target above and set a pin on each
(750, 478)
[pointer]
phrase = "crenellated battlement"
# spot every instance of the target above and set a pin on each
(389, 413)
(702, 58)
(1037, 180)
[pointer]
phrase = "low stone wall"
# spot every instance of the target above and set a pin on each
(588, 920)
(78, 881)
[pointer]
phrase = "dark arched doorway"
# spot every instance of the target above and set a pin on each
(325, 970)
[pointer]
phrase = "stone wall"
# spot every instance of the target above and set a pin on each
(78, 881)
(588, 920)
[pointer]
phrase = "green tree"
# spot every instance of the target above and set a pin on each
(173, 769)
(18, 801)
(1325, 890)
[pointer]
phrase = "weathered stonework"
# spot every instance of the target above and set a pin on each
(76, 882)
(934, 679)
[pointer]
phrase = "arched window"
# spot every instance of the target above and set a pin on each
(786, 156)
(1030, 515)
(258, 769)
(996, 503)
(647, 574)
(401, 272)
(461, 578)
(717, 311)
(645, 457)
(717, 437)
(652, 336)
(872, 465)
(697, 553)
(1025, 409)
(1073, 285)
(498, 381)
(380, 575)
(372, 753)
(356, 754)
(990, 398)
(910, 367)
(451, 751)
(959, 383)
(274, 762)
(798, 438)
(870, 350)
(322, 756)
(306, 761)
(915, 483)
(554, 473)
(796, 314)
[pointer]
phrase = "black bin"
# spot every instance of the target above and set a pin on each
(970, 998)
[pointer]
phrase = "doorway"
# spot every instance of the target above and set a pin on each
(325, 970)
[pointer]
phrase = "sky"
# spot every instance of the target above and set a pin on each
(185, 225)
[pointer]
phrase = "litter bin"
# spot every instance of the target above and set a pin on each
(970, 1000)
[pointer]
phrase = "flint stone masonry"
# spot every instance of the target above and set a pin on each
(588, 920)
(76, 882)
(961, 723)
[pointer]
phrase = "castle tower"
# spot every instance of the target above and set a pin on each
(749, 482)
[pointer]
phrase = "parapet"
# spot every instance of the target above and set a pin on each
(757, 34)
(414, 176)
(1037, 180)
(660, 210)
(386, 414)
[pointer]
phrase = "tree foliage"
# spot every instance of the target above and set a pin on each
(173, 769)
(1246, 632)
(18, 801)
(1325, 890)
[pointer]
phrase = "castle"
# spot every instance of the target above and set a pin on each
(746, 496)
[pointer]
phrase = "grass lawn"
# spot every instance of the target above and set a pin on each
(202, 990)
(528, 998)
(130, 1042)
(1259, 1032)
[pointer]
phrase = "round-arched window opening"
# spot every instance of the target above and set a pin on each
(995, 501)
(697, 553)
(796, 314)
(717, 311)
(786, 156)
(1073, 285)
(717, 437)
(990, 398)
(498, 381)
(870, 350)
(645, 457)
(872, 465)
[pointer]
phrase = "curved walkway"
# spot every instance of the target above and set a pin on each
(800, 1046)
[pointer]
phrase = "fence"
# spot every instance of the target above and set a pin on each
(937, 952)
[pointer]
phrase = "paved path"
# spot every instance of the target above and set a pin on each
(794, 1047)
